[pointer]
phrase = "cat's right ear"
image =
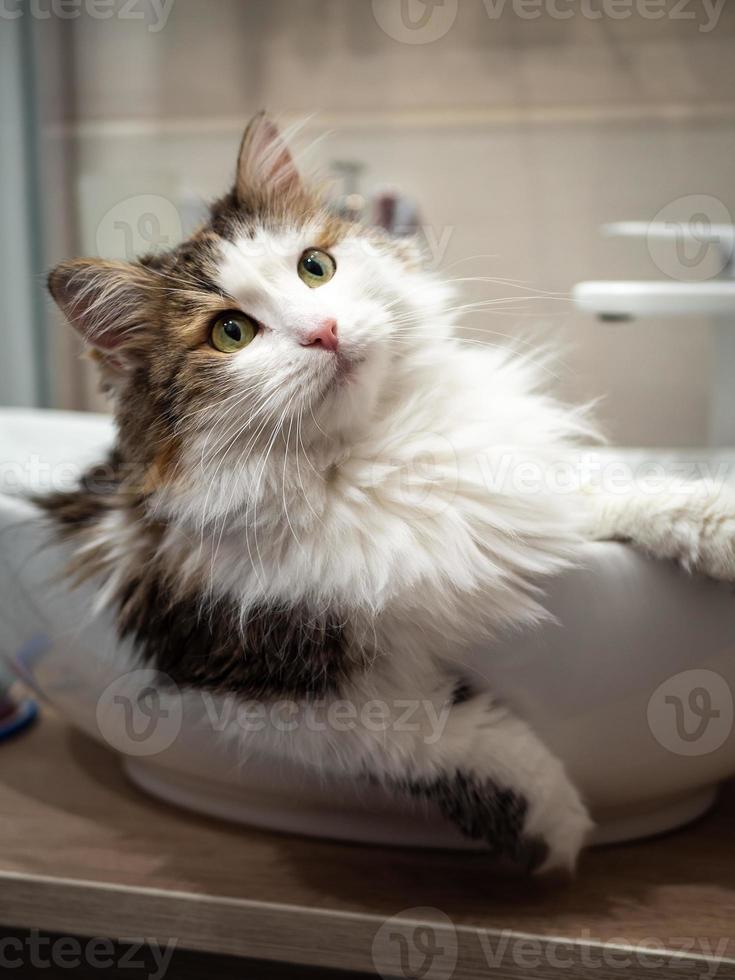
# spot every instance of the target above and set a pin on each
(107, 302)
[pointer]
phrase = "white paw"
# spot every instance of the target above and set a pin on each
(557, 815)
(693, 524)
(699, 531)
(714, 532)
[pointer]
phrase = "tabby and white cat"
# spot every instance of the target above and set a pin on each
(298, 504)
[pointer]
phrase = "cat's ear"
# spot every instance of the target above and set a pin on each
(265, 162)
(107, 302)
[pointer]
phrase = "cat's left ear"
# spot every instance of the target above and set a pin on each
(265, 163)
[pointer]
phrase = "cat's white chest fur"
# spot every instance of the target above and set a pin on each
(426, 512)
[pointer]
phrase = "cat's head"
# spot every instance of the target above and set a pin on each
(274, 310)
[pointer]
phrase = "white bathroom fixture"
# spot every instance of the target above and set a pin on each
(717, 234)
(713, 298)
(627, 300)
(632, 686)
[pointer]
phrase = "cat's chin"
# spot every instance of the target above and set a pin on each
(347, 369)
(347, 394)
(342, 371)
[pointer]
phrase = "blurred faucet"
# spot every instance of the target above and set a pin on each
(350, 205)
(395, 212)
(385, 207)
(611, 300)
(713, 297)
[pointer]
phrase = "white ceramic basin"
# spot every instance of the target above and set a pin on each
(636, 299)
(673, 231)
(632, 687)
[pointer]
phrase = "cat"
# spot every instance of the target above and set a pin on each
(297, 505)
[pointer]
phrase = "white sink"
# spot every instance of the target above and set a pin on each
(714, 298)
(637, 644)
(687, 294)
(702, 231)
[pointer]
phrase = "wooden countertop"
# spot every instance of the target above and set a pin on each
(85, 853)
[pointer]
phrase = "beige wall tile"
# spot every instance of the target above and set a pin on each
(519, 137)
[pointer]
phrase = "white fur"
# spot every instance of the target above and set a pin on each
(692, 523)
(386, 483)
(391, 496)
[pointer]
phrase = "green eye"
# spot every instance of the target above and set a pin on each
(232, 331)
(316, 267)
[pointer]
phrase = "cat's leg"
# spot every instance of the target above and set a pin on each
(483, 767)
(692, 523)
(496, 781)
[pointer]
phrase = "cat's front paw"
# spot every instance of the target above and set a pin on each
(697, 529)
(557, 816)
(693, 524)
(706, 533)
(536, 831)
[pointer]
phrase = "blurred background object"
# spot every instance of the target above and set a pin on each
(16, 711)
(509, 132)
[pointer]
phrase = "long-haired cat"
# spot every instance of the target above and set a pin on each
(298, 504)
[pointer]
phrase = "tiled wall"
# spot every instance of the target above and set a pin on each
(518, 137)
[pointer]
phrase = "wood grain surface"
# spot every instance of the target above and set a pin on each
(83, 852)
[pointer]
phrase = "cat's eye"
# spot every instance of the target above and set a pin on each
(316, 267)
(232, 331)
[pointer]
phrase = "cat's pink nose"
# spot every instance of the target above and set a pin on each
(324, 336)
